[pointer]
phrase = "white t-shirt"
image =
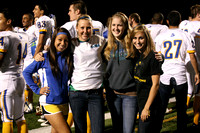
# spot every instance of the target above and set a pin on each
(88, 71)
(174, 44)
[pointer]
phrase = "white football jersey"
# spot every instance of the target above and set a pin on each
(43, 25)
(156, 29)
(174, 44)
(71, 27)
(183, 25)
(98, 28)
(31, 48)
(193, 28)
(14, 45)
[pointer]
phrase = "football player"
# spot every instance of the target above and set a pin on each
(174, 44)
(193, 28)
(156, 27)
(13, 49)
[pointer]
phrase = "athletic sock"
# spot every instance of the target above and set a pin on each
(196, 108)
(22, 127)
(70, 119)
(7, 127)
(188, 99)
(196, 119)
(89, 130)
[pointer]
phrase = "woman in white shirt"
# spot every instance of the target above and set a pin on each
(85, 93)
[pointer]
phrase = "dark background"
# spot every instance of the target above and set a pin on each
(102, 9)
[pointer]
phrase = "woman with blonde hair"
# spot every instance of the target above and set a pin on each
(119, 80)
(86, 91)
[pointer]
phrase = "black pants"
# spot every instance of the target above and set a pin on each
(181, 99)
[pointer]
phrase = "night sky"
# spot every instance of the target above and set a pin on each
(102, 9)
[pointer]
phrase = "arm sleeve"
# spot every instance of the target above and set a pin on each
(28, 72)
(42, 26)
(190, 44)
(155, 66)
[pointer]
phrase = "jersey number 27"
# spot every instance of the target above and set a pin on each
(169, 46)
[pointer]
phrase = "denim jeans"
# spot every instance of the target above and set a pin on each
(181, 99)
(123, 111)
(91, 101)
(154, 122)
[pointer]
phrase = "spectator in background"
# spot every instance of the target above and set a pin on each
(134, 20)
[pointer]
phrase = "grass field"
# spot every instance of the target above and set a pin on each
(169, 125)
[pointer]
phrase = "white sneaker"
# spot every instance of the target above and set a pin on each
(168, 110)
(45, 124)
(41, 120)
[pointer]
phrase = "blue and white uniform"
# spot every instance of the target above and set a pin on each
(13, 46)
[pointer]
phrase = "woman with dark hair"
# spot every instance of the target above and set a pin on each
(57, 66)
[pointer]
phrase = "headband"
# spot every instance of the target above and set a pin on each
(84, 18)
(59, 33)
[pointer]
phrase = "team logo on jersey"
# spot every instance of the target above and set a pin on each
(172, 35)
(20, 37)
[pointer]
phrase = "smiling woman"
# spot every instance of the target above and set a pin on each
(57, 68)
(139, 41)
(147, 74)
(61, 41)
(85, 93)
(120, 85)
(84, 27)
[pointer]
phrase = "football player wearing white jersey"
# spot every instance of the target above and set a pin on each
(43, 32)
(189, 70)
(193, 28)
(156, 27)
(13, 49)
(184, 23)
(43, 29)
(29, 28)
(76, 9)
(27, 21)
(174, 44)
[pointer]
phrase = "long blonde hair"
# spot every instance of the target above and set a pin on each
(150, 46)
(125, 39)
